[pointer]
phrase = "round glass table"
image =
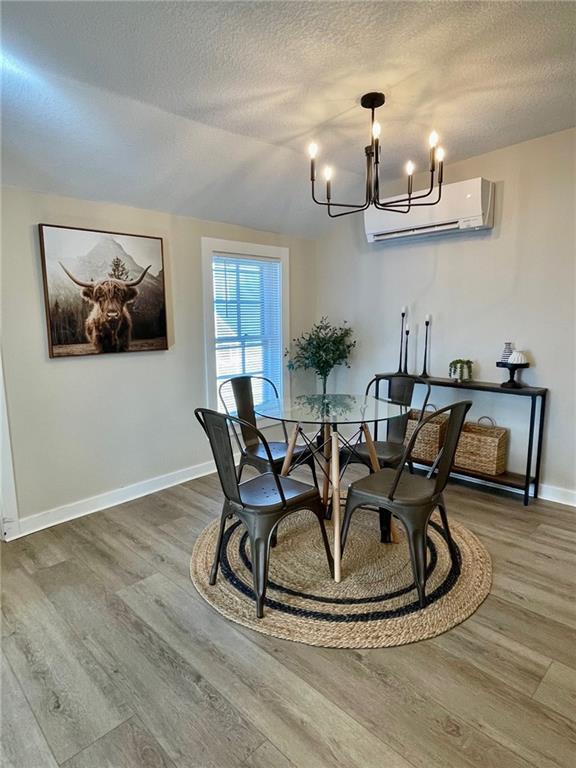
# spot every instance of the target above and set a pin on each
(328, 413)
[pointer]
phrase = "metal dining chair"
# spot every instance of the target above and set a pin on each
(400, 389)
(260, 503)
(412, 498)
(252, 452)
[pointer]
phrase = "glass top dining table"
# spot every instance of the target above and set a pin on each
(330, 409)
(328, 413)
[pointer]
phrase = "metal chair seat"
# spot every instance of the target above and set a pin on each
(262, 492)
(278, 451)
(411, 489)
(389, 453)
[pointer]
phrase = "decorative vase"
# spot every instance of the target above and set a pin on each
(507, 351)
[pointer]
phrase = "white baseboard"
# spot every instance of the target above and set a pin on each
(560, 495)
(14, 529)
(41, 520)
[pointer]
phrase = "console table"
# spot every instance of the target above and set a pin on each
(506, 479)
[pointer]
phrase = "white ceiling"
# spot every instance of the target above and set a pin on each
(205, 108)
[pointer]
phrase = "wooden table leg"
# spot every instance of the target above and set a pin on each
(335, 477)
(327, 449)
(376, 467)
(290, 451)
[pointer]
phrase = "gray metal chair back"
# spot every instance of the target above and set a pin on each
(445, 459)
(400, 390)
(458, 413)
(244, 401)
(216, 427)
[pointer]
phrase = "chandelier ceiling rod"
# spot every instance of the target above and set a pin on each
(403, 204)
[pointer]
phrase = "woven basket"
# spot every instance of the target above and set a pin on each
(431, 437)
(482, 448)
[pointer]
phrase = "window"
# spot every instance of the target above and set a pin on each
(247, 315)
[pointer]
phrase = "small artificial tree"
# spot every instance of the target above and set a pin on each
(323, 348)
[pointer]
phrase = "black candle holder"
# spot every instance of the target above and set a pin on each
(512, 368)
(424, 374)
(401, 343)
(407, 332)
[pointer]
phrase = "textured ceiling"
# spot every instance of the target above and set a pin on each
(205, 108)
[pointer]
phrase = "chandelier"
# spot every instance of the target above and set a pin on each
(403, 204)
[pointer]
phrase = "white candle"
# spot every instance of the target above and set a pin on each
(427, 318)
(407, 328)
(404, 310)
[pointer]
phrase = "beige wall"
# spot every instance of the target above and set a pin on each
(482, 289)
(85, 426)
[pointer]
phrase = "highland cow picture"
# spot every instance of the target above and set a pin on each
(104, 291)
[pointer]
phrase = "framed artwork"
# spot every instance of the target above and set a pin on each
(104, 291)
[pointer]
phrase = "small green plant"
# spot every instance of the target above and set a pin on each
(323, 348)
(459, 367)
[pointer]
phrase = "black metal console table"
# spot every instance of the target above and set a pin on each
(506, 479)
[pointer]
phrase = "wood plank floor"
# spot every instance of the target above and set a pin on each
(111, 660)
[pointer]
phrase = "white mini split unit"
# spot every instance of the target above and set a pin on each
(465, 205)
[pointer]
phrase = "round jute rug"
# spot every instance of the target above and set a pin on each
(375, 605)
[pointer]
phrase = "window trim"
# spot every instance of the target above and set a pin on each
(215, 246)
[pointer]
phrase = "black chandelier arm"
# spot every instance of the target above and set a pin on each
(392, 207)
(408, 198)
(357, 206)
(346, 213)
(354, 207)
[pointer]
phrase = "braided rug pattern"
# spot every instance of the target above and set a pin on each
(374, 606)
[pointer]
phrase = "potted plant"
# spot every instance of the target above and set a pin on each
(461, 370)
(323, 348)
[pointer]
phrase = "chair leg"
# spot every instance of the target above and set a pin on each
(350, 507)
(449, 539)
(411, 466)
(417, 543)
(260, 534)
(214, 570)
(319, 512)
(385, 526)
(312, 464)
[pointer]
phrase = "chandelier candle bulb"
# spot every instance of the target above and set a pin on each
(328, 177)
(312, 152)
(440, 154)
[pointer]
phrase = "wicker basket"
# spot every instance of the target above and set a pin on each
(431, 437)
(482, 448)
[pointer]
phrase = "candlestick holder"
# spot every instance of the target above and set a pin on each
(424, 374)
(401, 343)
(406, 352)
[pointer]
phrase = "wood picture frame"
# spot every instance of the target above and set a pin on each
(104, 291)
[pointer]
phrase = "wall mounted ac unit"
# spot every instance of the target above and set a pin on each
(465, 205)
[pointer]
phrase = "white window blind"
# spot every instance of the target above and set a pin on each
(247, 295)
